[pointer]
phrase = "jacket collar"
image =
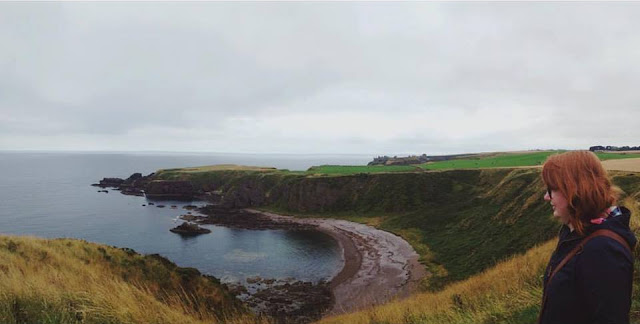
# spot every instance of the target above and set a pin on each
(617, 221)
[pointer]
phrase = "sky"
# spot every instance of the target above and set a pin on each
(319, 77)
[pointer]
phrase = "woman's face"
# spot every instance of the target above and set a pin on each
(559, 204)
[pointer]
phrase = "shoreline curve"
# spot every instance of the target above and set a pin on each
(378, 266)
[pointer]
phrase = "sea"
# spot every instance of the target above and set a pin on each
(49, 195)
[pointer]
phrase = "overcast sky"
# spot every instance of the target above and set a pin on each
(302, 77)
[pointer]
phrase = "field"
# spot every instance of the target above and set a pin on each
(505, 160)
(478, 161)
(493, 160)
(623, 165)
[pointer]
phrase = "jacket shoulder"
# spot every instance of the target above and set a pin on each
(605, 247)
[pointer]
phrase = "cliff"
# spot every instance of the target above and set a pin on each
(460, 221)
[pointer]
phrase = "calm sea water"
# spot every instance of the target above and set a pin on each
(49, 195)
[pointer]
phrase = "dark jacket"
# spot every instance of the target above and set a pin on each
(595, 285)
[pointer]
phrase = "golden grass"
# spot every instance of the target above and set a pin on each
(623, 164)
(70, 281)
(220, 167)
(509, 287)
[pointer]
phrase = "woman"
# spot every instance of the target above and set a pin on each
(590, 274)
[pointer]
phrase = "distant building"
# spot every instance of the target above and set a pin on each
(613, 148)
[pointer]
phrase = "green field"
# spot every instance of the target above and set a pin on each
(505, 160)
(499, 160)
(494, 160)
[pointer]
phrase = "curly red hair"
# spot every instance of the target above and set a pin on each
(580, 177)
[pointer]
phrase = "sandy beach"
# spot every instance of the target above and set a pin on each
(377, 265)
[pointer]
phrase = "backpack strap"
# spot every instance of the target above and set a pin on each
(601, 232)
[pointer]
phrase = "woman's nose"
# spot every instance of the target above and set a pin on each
(546, 196)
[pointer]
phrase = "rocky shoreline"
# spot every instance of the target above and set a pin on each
(377, 265)
(287, 301)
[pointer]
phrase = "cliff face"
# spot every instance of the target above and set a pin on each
(398, 192)
(168, 189)
(511, 189)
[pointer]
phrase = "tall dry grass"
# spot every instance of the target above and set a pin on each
(496, 294)
(70, 281)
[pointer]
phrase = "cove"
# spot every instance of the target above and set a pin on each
(49, 195)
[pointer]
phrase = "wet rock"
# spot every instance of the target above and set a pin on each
(189, 229)
(151, 204)
(131, 191)
(189, 217)
(160, 206)
(134, 185)
(110, 182)
(295, 302)
(237, 289)
(253, 280)
(238, 218)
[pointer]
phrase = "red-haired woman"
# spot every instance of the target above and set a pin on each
(590, 274)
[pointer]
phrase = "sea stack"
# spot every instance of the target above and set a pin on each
(189, 229)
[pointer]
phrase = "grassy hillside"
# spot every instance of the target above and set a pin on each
(484, 234)
(510, 293)
(461, 222)
(73, 281)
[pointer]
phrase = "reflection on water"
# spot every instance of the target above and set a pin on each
(48, 195)
(239, 255)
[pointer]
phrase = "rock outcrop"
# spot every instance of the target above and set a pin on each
(189, 229)
(109, 182)
(134, 185)
(239, 218)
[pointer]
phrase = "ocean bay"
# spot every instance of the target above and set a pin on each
(49, 195)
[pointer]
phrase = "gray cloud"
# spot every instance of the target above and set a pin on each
(311, 77)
